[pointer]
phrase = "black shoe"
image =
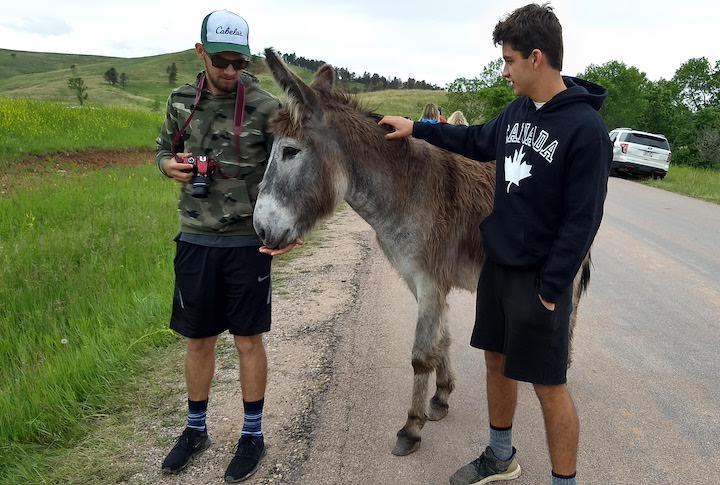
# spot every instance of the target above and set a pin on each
(190, 443)
(248, 453)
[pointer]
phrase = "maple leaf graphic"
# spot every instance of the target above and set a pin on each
(516, 169)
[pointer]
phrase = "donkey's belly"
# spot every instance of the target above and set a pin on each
(410, 260)
(406, 260)
(466, 276)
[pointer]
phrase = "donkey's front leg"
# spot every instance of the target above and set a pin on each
(444, 377)
(425, 358)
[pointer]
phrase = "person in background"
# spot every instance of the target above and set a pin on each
(430, 114)
(457, 118)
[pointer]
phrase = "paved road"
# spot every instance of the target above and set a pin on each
(646, 378)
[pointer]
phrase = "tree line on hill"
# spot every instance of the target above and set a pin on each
(113, 78)
(685, 108)
(367, 82)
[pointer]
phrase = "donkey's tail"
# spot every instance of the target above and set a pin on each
(585, 275)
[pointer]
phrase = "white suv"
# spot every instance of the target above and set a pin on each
(640, 153)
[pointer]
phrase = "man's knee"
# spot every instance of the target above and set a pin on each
(494, 362)
(201, 345)
(549, 394)
(249, 345)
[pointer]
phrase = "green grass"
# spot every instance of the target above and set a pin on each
(34, 127)
(85, 285)
(23, 62)
(401, 102)
(695, 182)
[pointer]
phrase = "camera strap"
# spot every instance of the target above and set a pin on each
(239, 115)
(237, 121)
(193, 107)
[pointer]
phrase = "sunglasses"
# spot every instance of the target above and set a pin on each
(222, 63)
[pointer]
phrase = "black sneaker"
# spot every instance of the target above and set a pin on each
(487, 468)
(248, 453)
(190, 443)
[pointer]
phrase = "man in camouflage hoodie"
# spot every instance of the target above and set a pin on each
(222, 280)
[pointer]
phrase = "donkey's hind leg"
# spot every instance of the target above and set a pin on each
(426, 356)
(444, 377)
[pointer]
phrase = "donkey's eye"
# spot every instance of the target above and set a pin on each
(289, 152)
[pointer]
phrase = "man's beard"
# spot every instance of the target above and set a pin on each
(224, 85)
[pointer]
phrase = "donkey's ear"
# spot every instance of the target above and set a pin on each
(324, 79)
(299, 93)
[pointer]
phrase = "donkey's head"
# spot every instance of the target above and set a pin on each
(305, 178)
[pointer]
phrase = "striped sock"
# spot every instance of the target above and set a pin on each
(563, 479)
(252, 421)
(501, 442)
(197, 411)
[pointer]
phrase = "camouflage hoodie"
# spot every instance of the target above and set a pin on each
(228, 208)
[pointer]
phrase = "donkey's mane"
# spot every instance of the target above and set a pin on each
(285, 123)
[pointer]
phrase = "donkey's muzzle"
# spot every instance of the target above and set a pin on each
(273, 222)
(275, 241)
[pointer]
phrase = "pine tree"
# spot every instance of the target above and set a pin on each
(111, 76)
(172, 73)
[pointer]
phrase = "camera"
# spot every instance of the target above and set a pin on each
(202, 169)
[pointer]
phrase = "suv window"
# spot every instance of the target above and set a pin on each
(613, 135)
(647, 140)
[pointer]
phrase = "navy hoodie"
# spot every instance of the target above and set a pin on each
(552, 173)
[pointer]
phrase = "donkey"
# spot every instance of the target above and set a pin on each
(424, 203)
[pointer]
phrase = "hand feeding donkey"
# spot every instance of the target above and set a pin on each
(424, 203)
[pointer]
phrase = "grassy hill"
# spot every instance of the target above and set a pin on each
(147, 86)
(44, 76)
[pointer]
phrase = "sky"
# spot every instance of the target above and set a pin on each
(436, 41)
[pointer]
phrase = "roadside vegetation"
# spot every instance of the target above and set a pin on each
(85, 282)
(31, 127)
(701, 183)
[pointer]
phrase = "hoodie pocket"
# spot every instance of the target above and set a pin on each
(504, 235)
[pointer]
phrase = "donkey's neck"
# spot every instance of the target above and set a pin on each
(380, 182)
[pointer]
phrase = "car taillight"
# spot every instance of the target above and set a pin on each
(623, 147)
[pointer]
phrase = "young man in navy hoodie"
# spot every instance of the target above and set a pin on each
(553, 157)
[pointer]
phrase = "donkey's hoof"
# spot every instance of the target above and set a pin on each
(405, 444)
(437, 414)
(438, 409)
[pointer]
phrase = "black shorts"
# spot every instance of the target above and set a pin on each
(511, 319)
(218, 289)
